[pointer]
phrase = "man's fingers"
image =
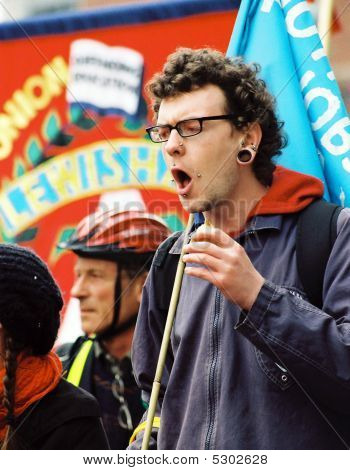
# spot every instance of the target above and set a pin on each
(204, 259)
(202, 273)
(204, 247)
(213, 235)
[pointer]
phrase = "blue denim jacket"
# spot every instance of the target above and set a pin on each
(276, 377)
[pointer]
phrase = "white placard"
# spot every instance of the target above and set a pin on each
(105, 77)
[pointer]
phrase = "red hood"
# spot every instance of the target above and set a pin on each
(290, 192)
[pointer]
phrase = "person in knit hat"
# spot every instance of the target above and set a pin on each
(38, 409)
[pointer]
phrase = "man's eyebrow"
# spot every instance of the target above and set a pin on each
(95, 270)
(180, 120)
(158, 124)
(88, 270)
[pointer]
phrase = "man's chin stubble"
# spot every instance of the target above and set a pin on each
(196, 206)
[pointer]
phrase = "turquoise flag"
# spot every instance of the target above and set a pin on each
(281, 36)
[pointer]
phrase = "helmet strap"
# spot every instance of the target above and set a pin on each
(114, 329)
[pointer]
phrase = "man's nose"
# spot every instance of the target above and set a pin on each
(174, 145)
(78, 289)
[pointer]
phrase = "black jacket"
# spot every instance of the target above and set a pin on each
(98, 378)
(66, 418)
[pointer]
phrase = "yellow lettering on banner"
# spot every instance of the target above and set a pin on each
(10, 214)
(36, 94)
(20, 98)
(33, 194)
(63, 179)
(55, 75)
(31, 86)
(17, 116)
(164, 176)
(90, 169)
(8, 133)
(143, 163)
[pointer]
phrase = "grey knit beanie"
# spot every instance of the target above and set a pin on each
(30, 300)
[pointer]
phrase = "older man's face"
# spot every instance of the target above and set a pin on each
(94, 287)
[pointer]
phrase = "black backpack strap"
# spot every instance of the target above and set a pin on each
(316, 234)
(166, 265)
(164, 248)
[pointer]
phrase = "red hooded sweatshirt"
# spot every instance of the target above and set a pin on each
(290, 192)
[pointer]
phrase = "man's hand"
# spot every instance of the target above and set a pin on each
(225, 264)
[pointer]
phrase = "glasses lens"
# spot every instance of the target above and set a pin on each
(159, 133)
(189, 127)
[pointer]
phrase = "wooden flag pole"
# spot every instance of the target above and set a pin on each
(324, 24)
(166, 339)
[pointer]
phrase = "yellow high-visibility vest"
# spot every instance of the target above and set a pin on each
(142, 426)
(76, 370)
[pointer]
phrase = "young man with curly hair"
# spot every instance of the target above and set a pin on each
(253, 364)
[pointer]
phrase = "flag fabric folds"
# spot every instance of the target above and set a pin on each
(281, 36)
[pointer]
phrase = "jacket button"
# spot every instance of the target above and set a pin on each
(284, 378)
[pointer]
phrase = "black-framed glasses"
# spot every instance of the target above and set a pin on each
(186, 128)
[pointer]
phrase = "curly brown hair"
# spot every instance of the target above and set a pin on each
(246, 95)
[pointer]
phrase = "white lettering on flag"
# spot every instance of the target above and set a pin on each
(311, 105)
(346, 164)
(318, 54)
(306, 79)
(291, 18)
(268, 4)
(336, 132)
(333, 103)
(342, 197)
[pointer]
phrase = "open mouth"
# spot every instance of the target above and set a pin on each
(183, 180)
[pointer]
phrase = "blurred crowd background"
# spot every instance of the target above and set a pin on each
(339, 48)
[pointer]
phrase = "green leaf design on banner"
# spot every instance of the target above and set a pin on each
(173, 222)
(63, 237)
(52, 126)
(19, 168)
(27, 235)
(34, 152)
